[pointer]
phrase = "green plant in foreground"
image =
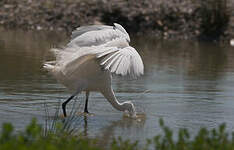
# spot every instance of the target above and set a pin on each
(33, 138)
(215, 139)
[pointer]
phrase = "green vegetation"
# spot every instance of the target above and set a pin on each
(215, 139)
(33, 137)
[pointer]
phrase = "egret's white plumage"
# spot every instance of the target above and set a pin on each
(88, 60)
(97, 35)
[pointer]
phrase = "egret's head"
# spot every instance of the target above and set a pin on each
(129, 107)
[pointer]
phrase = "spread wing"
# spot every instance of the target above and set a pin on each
(83, 29)
(118, 60)
(109, 44)
(96, 35)
(123, 61)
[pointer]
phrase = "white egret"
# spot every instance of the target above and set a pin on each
(90, 58)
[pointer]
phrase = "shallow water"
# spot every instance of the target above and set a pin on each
(186, 83)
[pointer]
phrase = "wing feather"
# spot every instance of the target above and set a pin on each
(109, 44)
(96, 35)
(109, 58)
(104, 51)
(80, 30)
(69, 63)
(116, 63)
(110, 62)
(126, 61)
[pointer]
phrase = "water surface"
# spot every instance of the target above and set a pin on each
(186, 83)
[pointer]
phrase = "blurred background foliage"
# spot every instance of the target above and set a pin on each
(182, 19)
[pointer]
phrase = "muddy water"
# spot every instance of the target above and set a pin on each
(186, 83)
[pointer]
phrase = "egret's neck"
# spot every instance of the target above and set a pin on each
(110, 96)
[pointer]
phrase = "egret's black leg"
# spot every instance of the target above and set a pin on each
(86, 102)
(64, 105)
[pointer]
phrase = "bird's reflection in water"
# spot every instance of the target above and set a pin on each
(107, 133)
(85, 132)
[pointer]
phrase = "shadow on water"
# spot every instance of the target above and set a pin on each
(188, 84)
